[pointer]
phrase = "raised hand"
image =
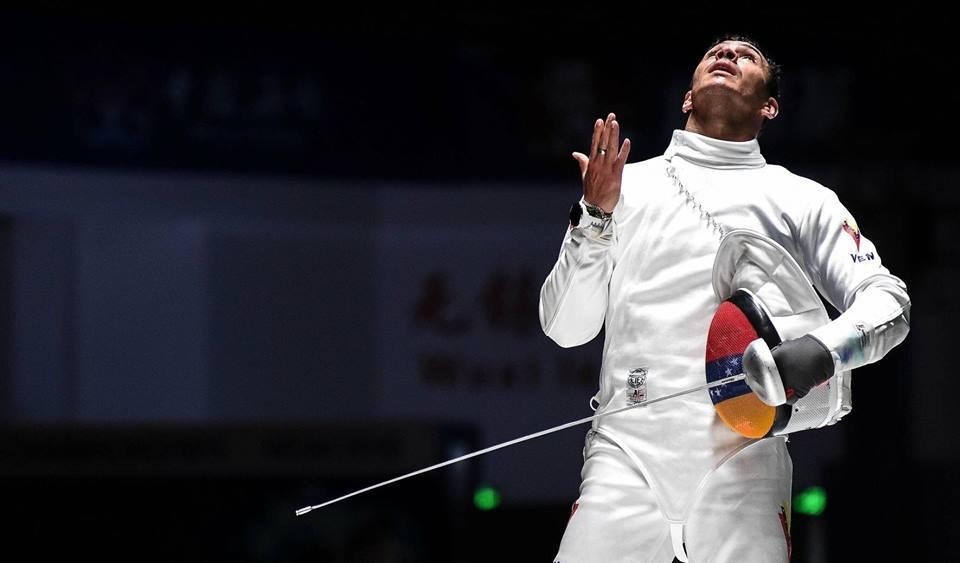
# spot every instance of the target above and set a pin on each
(602, 171)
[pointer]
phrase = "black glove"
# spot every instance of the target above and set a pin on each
(803, 363)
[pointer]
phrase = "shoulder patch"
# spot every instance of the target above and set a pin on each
(850, 227)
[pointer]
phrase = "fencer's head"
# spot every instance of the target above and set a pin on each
(735, 72)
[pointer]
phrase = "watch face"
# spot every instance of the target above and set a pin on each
(575, 213)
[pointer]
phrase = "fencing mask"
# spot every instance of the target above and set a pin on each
(765, 295)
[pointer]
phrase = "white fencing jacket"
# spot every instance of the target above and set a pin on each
(645, 277)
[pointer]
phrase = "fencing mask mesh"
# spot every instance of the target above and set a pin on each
(739, 320)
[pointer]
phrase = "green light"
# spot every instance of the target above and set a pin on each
(486, 498)
(812, 501)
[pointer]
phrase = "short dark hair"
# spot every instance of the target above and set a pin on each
(774, 70)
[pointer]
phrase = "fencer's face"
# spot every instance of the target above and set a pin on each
(731, 68)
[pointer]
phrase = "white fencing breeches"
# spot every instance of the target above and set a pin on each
(740, 516)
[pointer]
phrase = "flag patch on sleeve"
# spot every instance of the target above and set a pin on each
(850, 227)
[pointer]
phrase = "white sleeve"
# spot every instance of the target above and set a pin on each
(846, 268)
(573, 299)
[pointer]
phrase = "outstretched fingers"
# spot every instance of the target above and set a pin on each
(603, 144)
(613, 141)
(595, 139)
(622, 156)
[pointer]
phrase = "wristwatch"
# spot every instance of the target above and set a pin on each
(585, 215)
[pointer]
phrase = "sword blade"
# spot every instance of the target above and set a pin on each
(718, 383)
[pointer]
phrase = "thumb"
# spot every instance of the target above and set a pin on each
(583, 161)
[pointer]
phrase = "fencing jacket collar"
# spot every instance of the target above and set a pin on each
(714, 153)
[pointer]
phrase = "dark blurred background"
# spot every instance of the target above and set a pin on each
(254, 259)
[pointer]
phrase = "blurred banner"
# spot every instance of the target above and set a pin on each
(165, 298)
(459, 274)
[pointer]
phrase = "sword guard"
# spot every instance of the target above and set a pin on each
(763, 377)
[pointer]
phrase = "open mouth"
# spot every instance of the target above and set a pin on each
(723, 67)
